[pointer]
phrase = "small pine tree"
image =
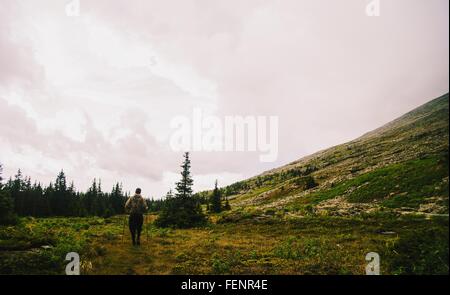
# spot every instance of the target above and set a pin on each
(215, 200)
(184, 186)
(181, 210)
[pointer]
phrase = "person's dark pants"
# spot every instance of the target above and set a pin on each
(135, 223)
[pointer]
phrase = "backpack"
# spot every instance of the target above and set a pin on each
(136, 205)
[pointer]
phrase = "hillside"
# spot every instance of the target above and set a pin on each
(319, 215)
(401, 166)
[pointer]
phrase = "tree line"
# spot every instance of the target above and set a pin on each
(20, 197)
(59, 198)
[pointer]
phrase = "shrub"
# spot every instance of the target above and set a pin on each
(293, 248)
(179, 212)
(219, 266)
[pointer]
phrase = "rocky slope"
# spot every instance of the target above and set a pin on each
(401, 166)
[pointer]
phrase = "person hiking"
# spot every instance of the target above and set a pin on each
(136, 206)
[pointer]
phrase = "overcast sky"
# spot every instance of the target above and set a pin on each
(94, 94)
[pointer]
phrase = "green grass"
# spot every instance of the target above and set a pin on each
(422, 251)
(21, 250)
(309, 245)
(407, 184)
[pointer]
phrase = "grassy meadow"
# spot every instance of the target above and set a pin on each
(410, 244)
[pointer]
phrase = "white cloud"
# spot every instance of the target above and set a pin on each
(96, 93)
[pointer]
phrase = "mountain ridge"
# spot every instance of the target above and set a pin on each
(303, 186)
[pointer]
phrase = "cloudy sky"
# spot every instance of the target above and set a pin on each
(95, 94)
